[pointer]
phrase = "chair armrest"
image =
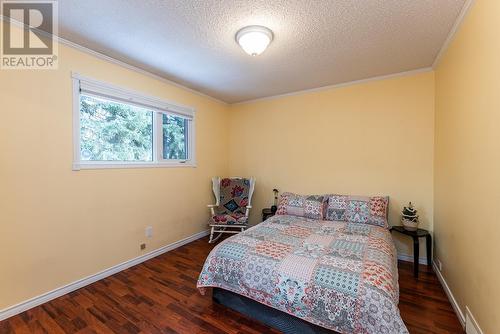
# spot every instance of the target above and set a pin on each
(211, 207)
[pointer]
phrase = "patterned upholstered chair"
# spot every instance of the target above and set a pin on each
(233, 203)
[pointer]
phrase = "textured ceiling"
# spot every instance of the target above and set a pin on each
(317, 43)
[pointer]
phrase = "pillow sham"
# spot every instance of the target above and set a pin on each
(309, 206)
(358, 209)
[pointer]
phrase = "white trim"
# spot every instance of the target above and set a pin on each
(88, 86)
(192, 142)
(113, 60)
(409, 258)
(76, 124)
(448, 292)
(340, 85)
(157, 140)
(33, 302)
(471, 325)
(82, 165)
(451, 35)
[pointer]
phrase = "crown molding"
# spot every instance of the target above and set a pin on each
(340, 85)
(451, 35)
(113, 60)
(463, 13)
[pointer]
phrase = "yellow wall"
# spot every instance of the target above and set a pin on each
(467, 164)
(57, 225)
(366, 139)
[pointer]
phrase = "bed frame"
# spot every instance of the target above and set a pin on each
(274, 318)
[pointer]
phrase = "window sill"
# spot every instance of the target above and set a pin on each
(121, 165)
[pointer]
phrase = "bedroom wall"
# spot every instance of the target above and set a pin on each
(58, 225)
(367, 139)
(467, 164)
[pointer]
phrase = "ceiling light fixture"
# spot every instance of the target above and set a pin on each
(254, 39)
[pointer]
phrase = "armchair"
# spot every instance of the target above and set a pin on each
(230, 212)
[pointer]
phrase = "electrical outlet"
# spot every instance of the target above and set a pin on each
(149, 232)
(143, 246)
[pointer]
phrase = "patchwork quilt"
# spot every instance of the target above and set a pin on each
(339, 275)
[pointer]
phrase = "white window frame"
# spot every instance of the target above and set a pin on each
(84, 85)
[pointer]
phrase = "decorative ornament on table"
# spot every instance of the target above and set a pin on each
(409, 218)
(274, 208)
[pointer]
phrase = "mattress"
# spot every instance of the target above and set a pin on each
(337, 275)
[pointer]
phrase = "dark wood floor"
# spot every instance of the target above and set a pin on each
(159, 296)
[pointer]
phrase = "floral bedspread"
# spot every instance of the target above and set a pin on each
(338, 275)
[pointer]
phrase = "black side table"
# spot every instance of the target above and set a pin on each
(420, 233)
(266, 213)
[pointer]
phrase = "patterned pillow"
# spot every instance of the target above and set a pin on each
(309, 206)
(358, 209)
(336, 207)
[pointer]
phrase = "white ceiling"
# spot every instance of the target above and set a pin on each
(316, 43)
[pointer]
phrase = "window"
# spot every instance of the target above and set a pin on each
(116, 128)
(175, 130)
(112, 131)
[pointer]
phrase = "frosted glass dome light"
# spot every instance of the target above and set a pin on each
(254, 39)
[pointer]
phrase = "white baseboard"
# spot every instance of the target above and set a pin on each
(448, 292)
(471, 325)
(409, 258)
(467, 321)
(28, 304)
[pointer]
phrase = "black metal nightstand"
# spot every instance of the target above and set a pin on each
(416, 235)
(266, 213)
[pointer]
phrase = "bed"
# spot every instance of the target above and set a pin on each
(335, 275)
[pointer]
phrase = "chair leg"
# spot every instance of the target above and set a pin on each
(220, 232)
(211, 235)
(212, 239)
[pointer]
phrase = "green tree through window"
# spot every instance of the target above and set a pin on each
(113, 131)
(174, 137)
